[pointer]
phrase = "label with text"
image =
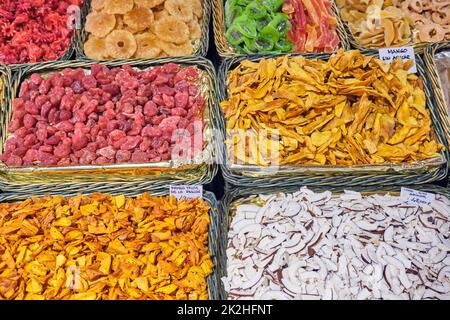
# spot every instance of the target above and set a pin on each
(187, 192)
(417, 197)
(405, 53)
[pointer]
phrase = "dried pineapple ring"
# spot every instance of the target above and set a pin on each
(149, 4)
(121, 44)
(147, 46)
(180, 9)
(195, 31)
(197, 8)
(160, 14)
(100, 24)
(139, 19)
(119, 22)
(176, 50)
(118, 6)
(172, 29)
(95, 48)
(431, 32)
(98, 4)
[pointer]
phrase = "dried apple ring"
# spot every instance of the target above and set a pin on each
(100, 23)
(181, 9)
(149, 4)
(121, 44)
(118, 6)
(139, 19)
(147, 46)
(172, 29)
(431, 33)
(441, 17)
(416, 5)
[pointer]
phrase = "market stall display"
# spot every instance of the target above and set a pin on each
(145, 29)
(101, 246)
(277, 26)
(337, 245)
(391, 23)
(143, 123)
(349, 114)
(35, 31)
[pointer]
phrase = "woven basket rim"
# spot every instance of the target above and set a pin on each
(436, 85)
(237, 179)
(205, 172)
(214, 282)
(201, 50)
(225, 50)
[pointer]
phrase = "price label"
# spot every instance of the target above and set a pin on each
(187, 192)
(405, 53)
(416, 197)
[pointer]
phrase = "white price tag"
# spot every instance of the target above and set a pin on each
(406, 53)
(187, 192)
(417, 197)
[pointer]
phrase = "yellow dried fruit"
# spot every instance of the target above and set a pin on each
(349, 110)
(100, 24)
(148, 248)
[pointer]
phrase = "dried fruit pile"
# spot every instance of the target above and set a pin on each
(313, 25)
(34, 30)
(276, 26)
(310, 245)
(104, 247)
(385, 23)
(349, 110)
(123, 29)
(108, 116)
(443, 65)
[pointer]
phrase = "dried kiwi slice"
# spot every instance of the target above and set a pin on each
(255, 10)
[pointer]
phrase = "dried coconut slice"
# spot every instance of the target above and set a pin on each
(181, 9)
(139, 19)
(121, 44)
(95, 48)
(100, 24)
(149, 4)
(147, 46)
(176, 50)
(172, 29)
(118, 6)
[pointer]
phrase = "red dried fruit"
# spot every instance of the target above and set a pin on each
(139, 156)
(107, 152)
(123, 156)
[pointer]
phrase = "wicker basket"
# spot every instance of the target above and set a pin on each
(419, 47)
(201, 48)
(329, 176)
(70, 49)
(146, 177)
(237, 194)
(430, 55)
(226, 50)
(214, 283)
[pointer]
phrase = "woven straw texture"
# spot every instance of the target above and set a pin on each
(145, 177)
(201, 48)
(330, 176)
(225, 49)
(441, 105)
(214, 283)
(236, 194)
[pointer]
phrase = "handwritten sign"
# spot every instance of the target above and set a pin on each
(405, 53)
(416, 197)
(187, 192)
